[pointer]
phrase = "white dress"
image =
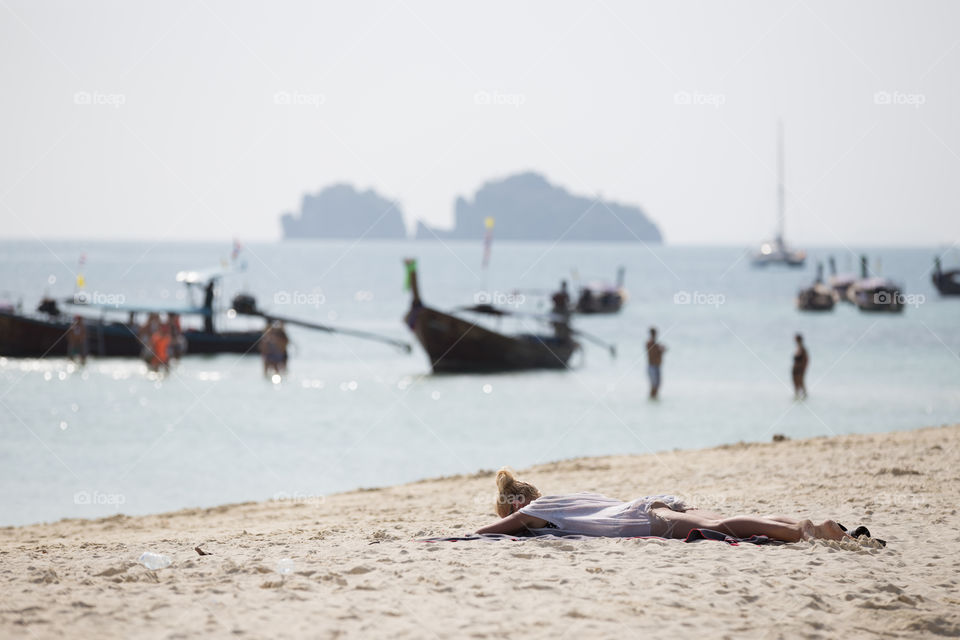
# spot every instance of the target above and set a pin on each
(592, 514)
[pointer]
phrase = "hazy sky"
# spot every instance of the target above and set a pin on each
(208, 119)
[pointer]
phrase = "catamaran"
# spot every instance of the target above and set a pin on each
(776, 251)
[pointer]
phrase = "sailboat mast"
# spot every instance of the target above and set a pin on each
(781, 191)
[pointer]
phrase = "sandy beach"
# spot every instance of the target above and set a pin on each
(349, 564)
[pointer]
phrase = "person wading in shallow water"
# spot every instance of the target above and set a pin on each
(273, 349)
(77, 341)
(800, 361)
(561, 312)
(208, 294)
(655, 352)
(160, 349)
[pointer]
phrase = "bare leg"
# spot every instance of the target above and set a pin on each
(703, 513)
(674, 524)
(783, 519)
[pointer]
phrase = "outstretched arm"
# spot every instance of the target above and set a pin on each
(514, 523)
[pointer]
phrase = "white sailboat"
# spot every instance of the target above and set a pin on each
(776, 251)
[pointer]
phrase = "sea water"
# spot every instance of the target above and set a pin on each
(109, 437)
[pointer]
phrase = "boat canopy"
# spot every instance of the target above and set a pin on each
(875, 283)
(203, 276)
(136, 308)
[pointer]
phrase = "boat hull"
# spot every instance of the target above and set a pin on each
(789, 260)
(841, 287)
(591, 301)
(35, 337)
(947, 282)
(455, 345)
(817, 298)
(877, 300)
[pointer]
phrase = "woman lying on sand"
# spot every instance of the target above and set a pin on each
(590, 514)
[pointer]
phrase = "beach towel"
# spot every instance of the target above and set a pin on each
(694, 536)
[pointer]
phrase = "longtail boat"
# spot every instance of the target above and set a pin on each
(458, 345)
(875, 293)
(602, 297)
(40, 335)
(818, 296)
(112, 330)
(946, 282)
(840, 282)
(44, 332)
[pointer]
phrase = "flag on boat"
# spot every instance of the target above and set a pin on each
(81, 283)
(411, 266)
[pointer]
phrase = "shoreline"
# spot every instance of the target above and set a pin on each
(481, 473)
(350, 563)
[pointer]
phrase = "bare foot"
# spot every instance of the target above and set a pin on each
(829, 530)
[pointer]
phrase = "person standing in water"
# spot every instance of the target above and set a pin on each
(145, 335)
(283, 340)
(77, 341)
(273, 349)
(208, 294)
(160, 349)
(561, 312)
(561, 300)
(655, 352)
(800, 361)
(178, 342)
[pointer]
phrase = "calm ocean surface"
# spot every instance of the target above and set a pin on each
(109, 438)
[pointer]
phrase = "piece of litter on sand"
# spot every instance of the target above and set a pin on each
(201, 552)
(154, 561)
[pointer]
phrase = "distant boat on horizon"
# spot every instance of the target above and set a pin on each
(818, 296)
(602, 297)
(875, 293)
(776, 251)
(840, 282)
(946, 282)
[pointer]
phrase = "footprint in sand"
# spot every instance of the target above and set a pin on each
(115, 570)
(47, 576)
(359, 570)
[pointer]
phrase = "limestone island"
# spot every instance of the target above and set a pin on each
(340, 211)
(526, 206)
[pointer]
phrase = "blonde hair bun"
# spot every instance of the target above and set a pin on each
(511, 490)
